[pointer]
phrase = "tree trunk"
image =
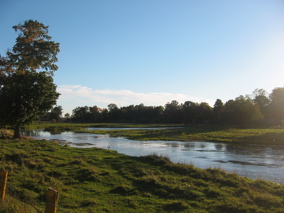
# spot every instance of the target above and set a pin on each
(17, 133)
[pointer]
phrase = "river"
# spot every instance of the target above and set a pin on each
(255, 161)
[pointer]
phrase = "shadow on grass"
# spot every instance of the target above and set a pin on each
(276, 138)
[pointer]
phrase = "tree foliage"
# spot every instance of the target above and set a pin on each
(27, 90)
(218, 110)
(56, 113)
(33, 50)
(243, 111)
(277, 105)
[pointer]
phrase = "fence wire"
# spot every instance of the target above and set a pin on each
(12, 192)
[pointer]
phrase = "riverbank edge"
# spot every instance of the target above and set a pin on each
(176, 132)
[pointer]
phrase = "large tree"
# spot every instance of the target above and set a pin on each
(260, 98)
(27, 90)
(217, 110)
(277, 105)
(55, 113)
(173, 112)
(242, 112)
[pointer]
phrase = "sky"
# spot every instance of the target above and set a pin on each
(155, 51)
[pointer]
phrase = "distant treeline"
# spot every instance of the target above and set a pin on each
(259, 108)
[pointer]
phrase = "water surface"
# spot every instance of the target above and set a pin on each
(251, 160)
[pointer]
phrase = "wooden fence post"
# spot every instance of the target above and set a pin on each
(51, 200)
(3, 182)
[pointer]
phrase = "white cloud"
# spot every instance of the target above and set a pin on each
(73, 96)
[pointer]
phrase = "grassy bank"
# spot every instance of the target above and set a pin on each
(181, 133)
(80, 126)
(96, 180)
(201, 133)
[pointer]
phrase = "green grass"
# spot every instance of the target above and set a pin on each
(201, 133)
(79, 126)
(97, 180)
(181, 133)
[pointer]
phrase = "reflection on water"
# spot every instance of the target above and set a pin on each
(252, 160)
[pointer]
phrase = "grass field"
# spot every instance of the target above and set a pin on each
(201, 133)
(97, 180)
(181, 132)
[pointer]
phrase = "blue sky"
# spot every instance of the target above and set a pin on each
(155, 51)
